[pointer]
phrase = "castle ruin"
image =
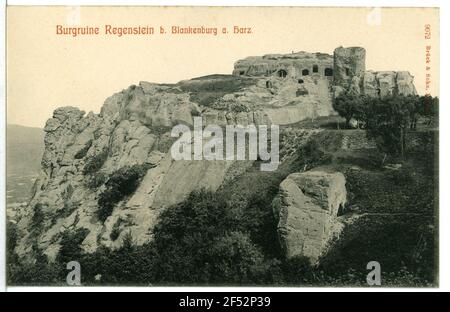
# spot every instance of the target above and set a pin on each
(345, 70)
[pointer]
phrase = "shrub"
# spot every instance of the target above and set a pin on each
(200, 241)
(37, 220)
(298, 271)
(121, 183)
(39, 273)
(11, 243)
(71, 245)
(95, 162)
(349, 106)
(128, 265)
(428, 106)
(312, 154)
(234, 259)
(96, 180)
(387, 120)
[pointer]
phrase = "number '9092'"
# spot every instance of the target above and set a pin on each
(246, 301)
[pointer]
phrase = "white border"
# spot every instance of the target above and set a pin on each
(336, 3)
(444, 146)
(2, 154)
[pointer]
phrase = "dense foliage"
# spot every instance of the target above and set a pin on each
(120, 184)
(349, 106)
(387, 119)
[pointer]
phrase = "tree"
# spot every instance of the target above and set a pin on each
(428, 106)
(349, 105)
(199, 241)
(236, 260)
(120, 184)
(387, 120)
(71, 245)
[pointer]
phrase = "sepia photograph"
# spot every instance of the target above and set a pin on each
(181, 146)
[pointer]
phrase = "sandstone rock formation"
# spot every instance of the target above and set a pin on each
(133, 128)
(387, 83)
(307, 207)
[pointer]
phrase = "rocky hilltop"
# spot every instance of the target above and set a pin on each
(84, 153)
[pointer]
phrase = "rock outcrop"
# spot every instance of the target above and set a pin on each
(387, 83)
(134, 128)
(82, 151)
(307, 207)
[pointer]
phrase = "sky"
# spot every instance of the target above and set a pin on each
(46, 71)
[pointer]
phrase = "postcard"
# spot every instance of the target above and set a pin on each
(222, 146)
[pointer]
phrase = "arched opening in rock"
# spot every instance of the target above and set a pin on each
(328, 72)
(268, 84)
(347, 71)
(300, 81)
(315, 68)
(241, 72)
(305, 72)
(282, 73)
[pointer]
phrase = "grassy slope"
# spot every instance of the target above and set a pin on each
(397, 226)
(206, 90)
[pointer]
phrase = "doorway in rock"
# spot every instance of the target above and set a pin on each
(305, 72)
(282, 73)
(328, 72)
(315, 69)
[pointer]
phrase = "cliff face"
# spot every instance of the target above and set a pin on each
(133, 128)
(88, 158)
(387, 83)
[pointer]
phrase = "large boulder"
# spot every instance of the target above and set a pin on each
(307, 207)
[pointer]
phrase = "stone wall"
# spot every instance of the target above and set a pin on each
(356, 139)
(348, 63)
(294, 65)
